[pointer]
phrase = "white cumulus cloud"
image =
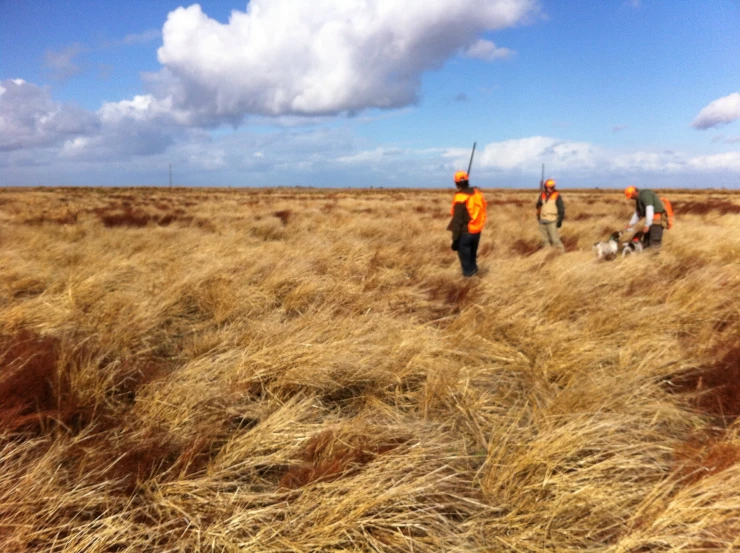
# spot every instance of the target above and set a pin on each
(526, 153)
(727, 161)
(722, 111)
(291, 57)
(143, 108)
(30, 118)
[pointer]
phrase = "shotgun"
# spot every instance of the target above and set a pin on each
(542, 187)
(470, 165)
(542, 180)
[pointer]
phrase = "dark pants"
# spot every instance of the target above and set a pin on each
(653, 238)
(468, 253)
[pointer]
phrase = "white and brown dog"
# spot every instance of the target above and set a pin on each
(633, 246)
(608, 250)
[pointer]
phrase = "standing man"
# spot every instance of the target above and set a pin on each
(550, 214)
(649, 207)
(468, 217)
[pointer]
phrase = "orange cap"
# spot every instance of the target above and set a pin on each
(461, 176)
(629, 191)
(550, 183)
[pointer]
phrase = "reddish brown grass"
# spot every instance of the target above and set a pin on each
(126, 218)
(284, 215)
(525, 247)
(68, 218)
(515, 203)
(36, 390)
(327, 457)
(717, 384)
(722, 207)
(570, 243)
(125, 215)
(129, 459)
(451, 292)
(585, 216)
(705, 455)
(29, 381)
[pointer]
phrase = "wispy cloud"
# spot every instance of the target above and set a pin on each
(722, 139)
(142, 38)
(720, 112)
(619, 128)
(134, 39)
(487, 51)
(63, 64)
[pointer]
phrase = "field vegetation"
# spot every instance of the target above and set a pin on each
(300, 370)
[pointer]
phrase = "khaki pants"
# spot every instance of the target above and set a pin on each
(550, 235)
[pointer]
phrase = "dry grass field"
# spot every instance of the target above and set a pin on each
(192, 370)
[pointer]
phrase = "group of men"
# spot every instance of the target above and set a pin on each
(469, 216)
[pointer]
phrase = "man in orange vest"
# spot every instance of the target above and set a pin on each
(550, 214)
(468, 217)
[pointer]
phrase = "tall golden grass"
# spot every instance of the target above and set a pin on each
(306, 370)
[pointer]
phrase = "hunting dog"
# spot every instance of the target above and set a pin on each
(633, 246)
(608, 250)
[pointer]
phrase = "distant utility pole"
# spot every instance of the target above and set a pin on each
(170, 175)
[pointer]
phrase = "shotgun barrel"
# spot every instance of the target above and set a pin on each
(542, 180)
(470, 165)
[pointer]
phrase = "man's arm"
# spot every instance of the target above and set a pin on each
(561, 210)
(649, 215)
(460, 218)
(633, 221)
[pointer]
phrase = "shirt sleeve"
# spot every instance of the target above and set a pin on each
(649, 214)
(561, 208)
(460, 219)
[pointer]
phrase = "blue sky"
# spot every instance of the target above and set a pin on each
(370, 92)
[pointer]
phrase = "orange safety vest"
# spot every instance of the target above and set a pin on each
(476, 206)
(548, 211)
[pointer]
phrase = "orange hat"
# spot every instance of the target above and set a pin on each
(550, 183)
(461, 176)
(629, 191)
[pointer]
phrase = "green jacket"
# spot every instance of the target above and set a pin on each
(646, 198)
